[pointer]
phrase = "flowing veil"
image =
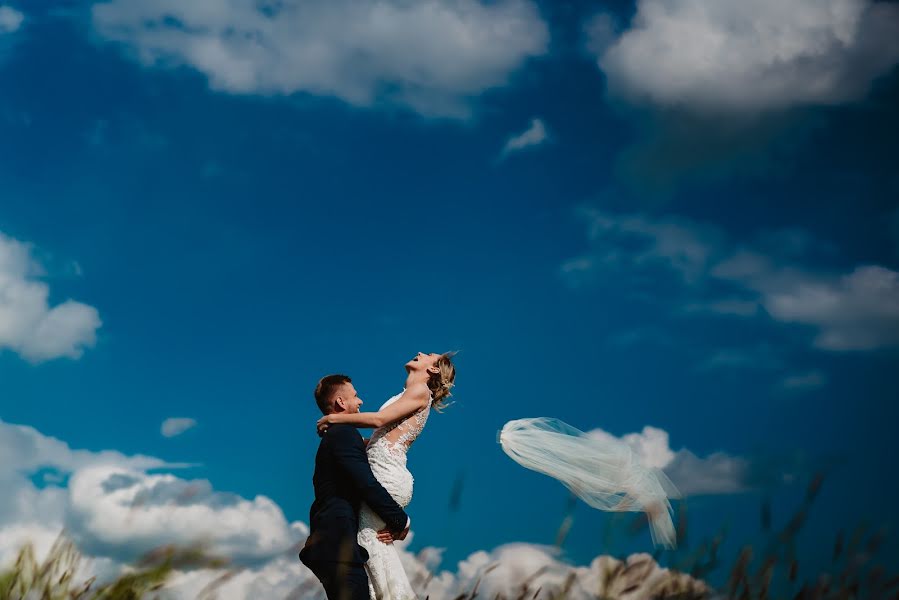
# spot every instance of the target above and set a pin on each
(603, 473)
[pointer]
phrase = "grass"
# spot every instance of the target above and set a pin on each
(772, 572)
(767, 573)
(54, 578)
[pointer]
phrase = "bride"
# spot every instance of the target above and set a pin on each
(397, 424)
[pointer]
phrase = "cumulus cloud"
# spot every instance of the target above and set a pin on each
(281, 577)
(29, 512)
(520, 570)
(534, 135)
(10, 19)
(718, 473)
(507, 571)
(176, 426)
(650, 445)
(433, 56)
(735, 56)
(115, 510)
(858, 310)
(28, 324)
(509, 567)
(24, 449)
(122, 513)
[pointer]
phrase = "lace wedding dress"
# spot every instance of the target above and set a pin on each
(387, 448)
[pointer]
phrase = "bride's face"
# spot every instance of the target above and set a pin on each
(423, 362)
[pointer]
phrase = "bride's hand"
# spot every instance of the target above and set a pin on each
(385, 537)
(324, 423)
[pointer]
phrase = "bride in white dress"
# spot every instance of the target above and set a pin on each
(397, 424)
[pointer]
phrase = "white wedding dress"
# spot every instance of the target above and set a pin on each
(387, 448)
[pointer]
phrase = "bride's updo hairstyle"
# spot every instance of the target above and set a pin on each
(443, 381)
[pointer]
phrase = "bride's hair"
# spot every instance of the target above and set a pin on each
(442, 382)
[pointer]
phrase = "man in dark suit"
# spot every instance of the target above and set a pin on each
(342, 480)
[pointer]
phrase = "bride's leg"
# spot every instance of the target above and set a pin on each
(387, 579)
(369, 525)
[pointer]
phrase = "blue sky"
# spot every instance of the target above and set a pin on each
(236, 202)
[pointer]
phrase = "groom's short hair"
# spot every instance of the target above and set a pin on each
(325, 390)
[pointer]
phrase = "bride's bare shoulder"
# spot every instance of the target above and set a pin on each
(419, 392)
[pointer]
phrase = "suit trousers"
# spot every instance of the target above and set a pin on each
(342, 581)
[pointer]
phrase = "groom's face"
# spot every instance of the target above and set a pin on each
(347, 400)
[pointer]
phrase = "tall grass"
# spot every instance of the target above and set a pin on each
(55, 577)
(767, 573)
(770, 572)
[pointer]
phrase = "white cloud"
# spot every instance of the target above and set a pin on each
(28, 324)
(28, 512)
(114, 510)
(176, 426)
(858, 311)
(854, 311)
(432, 56)
(123, 513)
(25, 449)
(736, 56)
(520, 570)
(534, 135)
(10, 19)
(717, 473)
(512, 565)
(650, 445)
(15, 535)
(281, 577)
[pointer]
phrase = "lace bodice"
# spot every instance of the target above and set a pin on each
(399, 435)
(387, 457)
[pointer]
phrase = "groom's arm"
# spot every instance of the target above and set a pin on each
(349, 451)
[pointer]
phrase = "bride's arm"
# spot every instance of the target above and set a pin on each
(412, 400)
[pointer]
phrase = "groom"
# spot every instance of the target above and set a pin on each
(342, 480)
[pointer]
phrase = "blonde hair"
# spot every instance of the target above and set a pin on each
(442, 382)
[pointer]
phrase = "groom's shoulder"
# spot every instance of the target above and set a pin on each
(342, 431)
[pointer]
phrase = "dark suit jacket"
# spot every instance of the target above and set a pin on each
(342, 480)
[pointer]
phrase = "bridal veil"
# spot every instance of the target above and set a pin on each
(606, 474)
